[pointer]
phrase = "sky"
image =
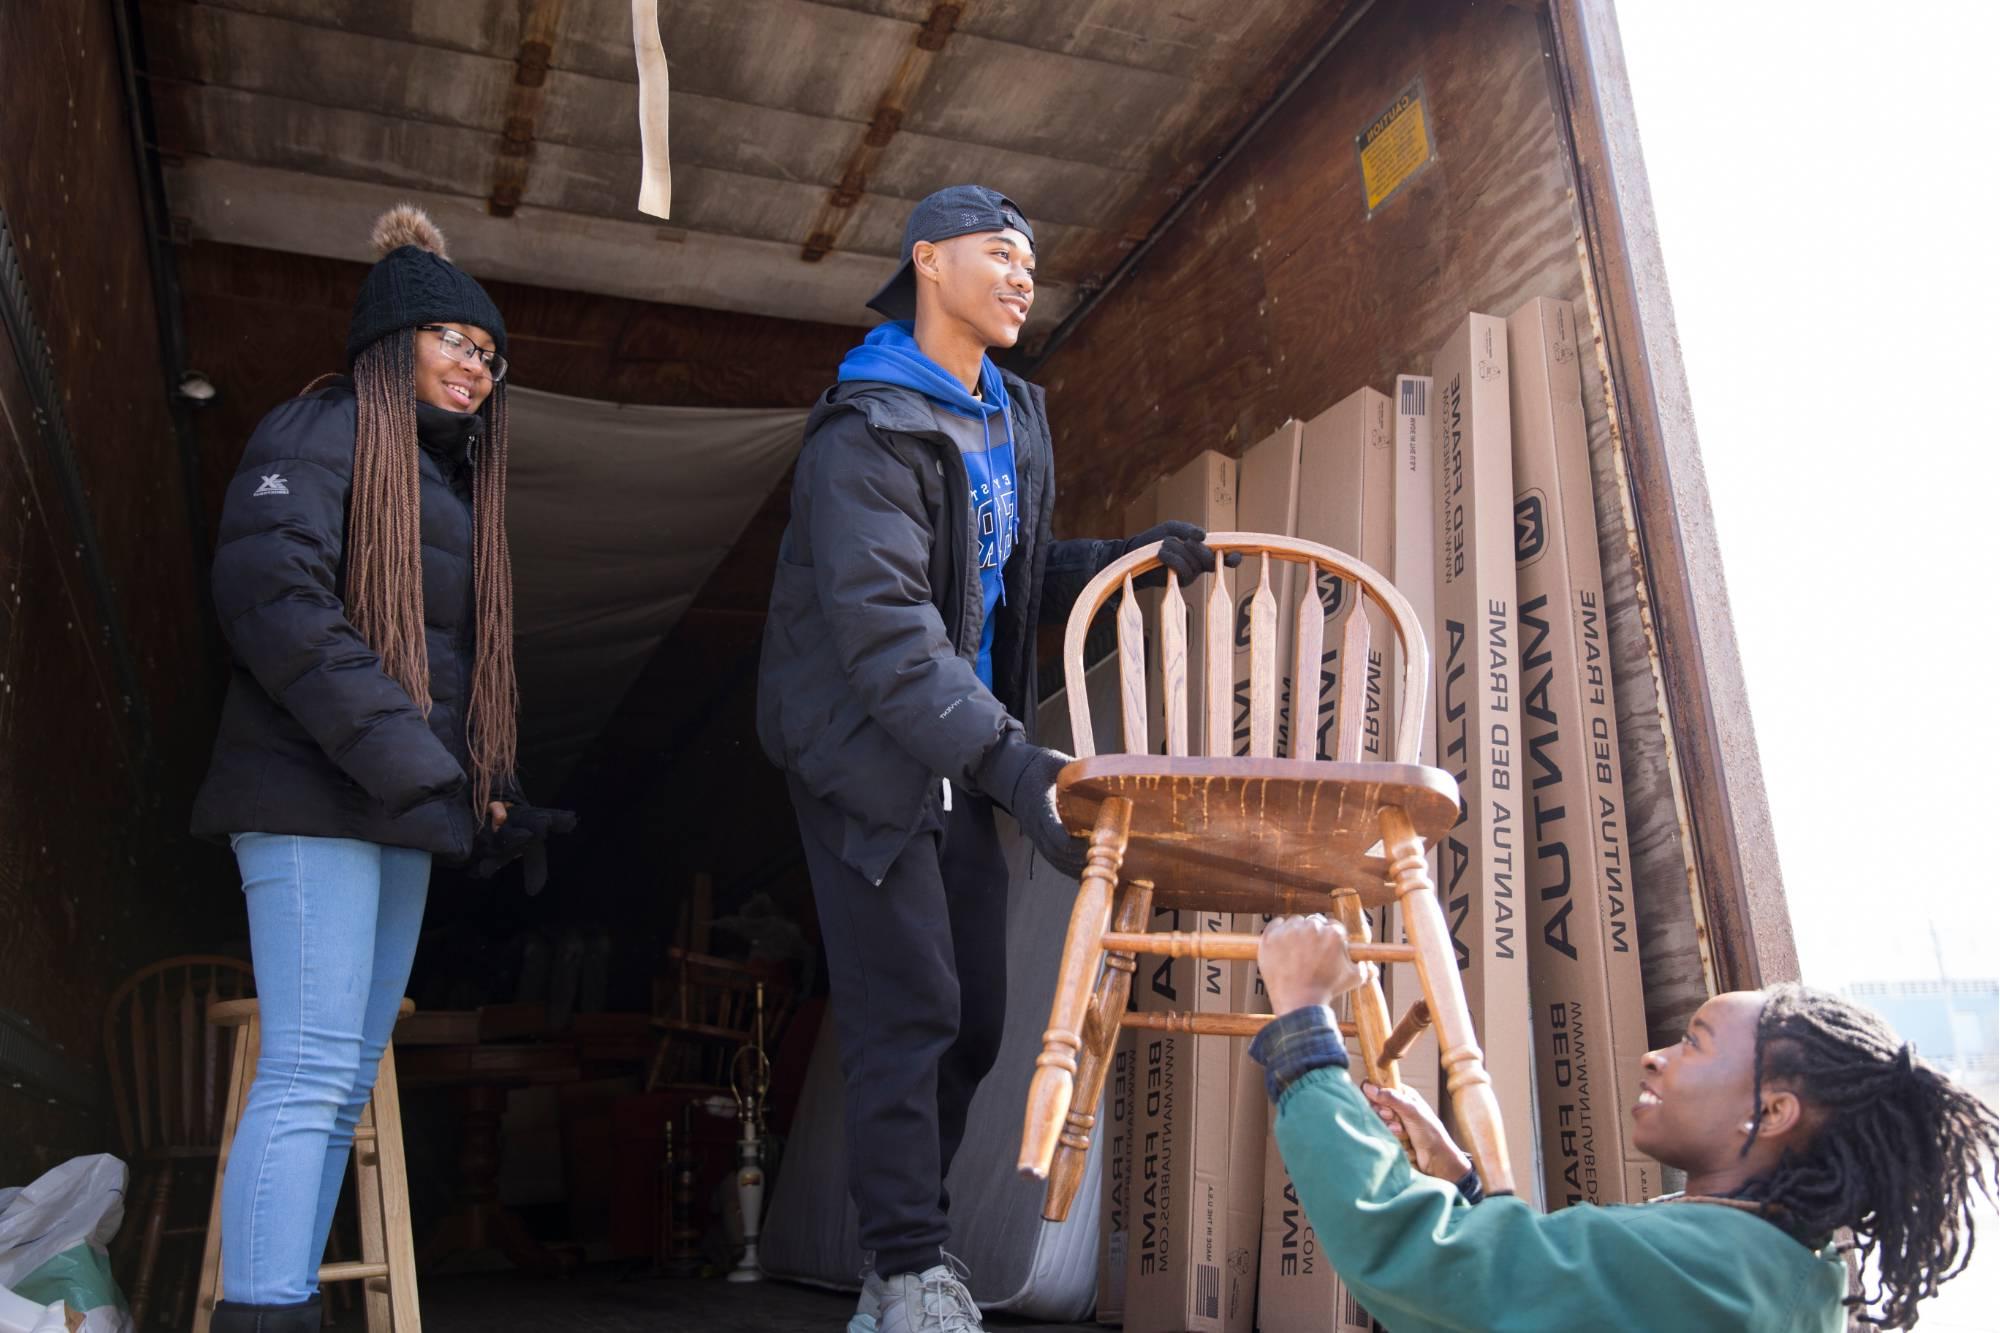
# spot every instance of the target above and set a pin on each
(1822, 173)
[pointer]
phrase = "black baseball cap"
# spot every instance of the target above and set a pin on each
(956, 210)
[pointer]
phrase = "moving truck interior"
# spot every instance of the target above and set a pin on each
(185, 196)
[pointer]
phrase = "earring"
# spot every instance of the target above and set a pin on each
(1749, 1126)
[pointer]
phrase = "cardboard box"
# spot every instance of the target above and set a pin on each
(1413, 567)
(1583, 944)
(1297, 1289)
(1144, 510)
(1483, 858)
(1347, 500)
(1141, 514)
(1117, 1114)
(1191, 1221)
(1249, 1135)
(1195, 1203)
(1179, 1247)
(1267, 500)
(1053, 727)
(1414, 571)
(1202, 492)
(1205, 493)
(1116, 1122)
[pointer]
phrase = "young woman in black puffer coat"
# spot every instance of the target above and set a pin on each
(363, 584)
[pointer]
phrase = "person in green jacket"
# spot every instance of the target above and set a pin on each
(1793, 1112)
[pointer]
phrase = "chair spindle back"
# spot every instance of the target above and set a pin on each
(1328, 575)
(169, 1067)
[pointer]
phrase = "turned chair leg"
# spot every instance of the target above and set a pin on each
(1100, 1034)
(244, 1043)
(385, 1110)
(1371, 1008)
(1054, 1086)
(1470, 1086)
(149, 1247)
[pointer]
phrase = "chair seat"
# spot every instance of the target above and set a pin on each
(238, 1013)
(1256, 835)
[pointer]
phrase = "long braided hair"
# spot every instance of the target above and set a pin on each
(1899, 1156)
(385, 576)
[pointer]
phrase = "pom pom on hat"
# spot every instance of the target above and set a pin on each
(406, 224)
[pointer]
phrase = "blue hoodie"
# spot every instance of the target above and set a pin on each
(890, 355)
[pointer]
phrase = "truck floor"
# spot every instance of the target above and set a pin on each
(604, 1300)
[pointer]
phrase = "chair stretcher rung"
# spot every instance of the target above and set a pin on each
(1207, 1025)
(351, 1272)
(1231, 946)
(1406, 1032)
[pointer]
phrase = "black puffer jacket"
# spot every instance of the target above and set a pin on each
(315, 738)
(867, 692)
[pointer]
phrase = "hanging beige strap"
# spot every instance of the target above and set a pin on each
(656, 183)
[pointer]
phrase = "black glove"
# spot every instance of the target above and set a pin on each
(524, 836)
(1022, 779)
(1182, 549)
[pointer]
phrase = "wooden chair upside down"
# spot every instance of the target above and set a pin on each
(1249, 834)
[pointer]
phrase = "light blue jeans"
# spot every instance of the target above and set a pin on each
(333, 929)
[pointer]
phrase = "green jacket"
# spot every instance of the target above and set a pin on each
(1419, 1257)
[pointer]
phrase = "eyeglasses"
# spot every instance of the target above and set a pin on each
(467, 352)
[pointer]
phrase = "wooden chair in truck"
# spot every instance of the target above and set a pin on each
(1254, 833)
(169, 1085)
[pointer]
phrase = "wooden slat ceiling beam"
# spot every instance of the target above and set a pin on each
(905, 86)
(524, 103)
(1095, 114)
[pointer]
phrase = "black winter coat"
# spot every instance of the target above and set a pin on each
(316, 738)
(867, 692)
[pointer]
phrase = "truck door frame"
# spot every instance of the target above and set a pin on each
(1738, 891)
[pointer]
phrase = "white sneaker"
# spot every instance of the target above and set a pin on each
(933, 1301)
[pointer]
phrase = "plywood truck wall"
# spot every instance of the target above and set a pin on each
(106, 711)
(1276, 294)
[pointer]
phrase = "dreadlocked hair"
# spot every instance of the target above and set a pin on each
(385, 577)
(1898, 1157)
(490, 733)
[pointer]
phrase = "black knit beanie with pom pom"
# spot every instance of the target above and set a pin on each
(415, 283)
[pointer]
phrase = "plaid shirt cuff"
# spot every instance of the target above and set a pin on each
(1292, 1046)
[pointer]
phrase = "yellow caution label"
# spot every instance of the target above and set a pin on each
(1395, 146)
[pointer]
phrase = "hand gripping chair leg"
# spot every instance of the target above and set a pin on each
(1470, 1086)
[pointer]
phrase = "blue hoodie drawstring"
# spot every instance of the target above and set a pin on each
(1005, 532)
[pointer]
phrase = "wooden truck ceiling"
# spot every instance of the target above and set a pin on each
(802, 130)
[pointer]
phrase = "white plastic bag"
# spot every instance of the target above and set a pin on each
(53, 1238)
(24, 1316)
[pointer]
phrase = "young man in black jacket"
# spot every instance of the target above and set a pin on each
(897, 691)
